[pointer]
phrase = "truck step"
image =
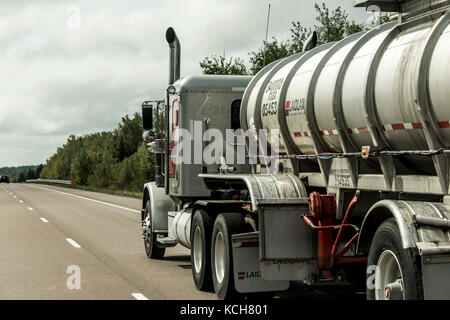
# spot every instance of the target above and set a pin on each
(167, 241)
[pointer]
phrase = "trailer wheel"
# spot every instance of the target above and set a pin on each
(395, 270)
(201, 235)
(226, 224)
(151, 248)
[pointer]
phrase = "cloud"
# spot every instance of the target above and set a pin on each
(58, 80)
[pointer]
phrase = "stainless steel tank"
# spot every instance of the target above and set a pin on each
(388, 88)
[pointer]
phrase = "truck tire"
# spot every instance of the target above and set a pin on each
(226, 224)
(397, 273)
(151, 248)
(201, 235)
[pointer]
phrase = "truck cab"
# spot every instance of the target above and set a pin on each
(201, 109)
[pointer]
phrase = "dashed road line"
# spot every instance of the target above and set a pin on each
(30, 208)
(73, 243)
(21, 201)
(139, 296)
(44, 220)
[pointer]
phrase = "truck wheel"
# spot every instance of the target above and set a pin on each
(201, 234)
(397, 273)
(225, 225)
(151, 248)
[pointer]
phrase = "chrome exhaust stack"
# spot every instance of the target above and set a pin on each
(174, 75)
(175, 52)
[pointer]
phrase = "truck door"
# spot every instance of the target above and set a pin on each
(174, 137)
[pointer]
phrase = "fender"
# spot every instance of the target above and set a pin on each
(410, 217)
(262, 186)
(160, 205)
(423, 227)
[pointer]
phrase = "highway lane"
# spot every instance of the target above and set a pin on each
(46, 229)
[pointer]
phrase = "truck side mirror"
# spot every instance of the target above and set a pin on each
(147, 116)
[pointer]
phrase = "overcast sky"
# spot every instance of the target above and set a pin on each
(76, 67)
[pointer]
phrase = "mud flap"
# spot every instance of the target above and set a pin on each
(286, 241)
(436, 277)
(246, 266)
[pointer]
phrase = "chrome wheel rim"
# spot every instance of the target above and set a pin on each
(219, 257)
(198, 253)
(388, 278)
(147, 230)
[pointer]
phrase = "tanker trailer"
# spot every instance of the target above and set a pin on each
(359, 131)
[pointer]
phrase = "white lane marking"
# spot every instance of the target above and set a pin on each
(15, 197)
(21, 201)
(73, 243)
(139, 296)
(30, 208)
(44, 220)
(98, 201)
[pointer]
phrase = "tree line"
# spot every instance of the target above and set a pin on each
(115, 160)
(331, 25)
(22, 173)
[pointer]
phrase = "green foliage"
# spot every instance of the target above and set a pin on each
(299, 34)
(385, 18)
(20, 174)
(128, 136)
(116, 160)
(333, 25)
(220, 65)
(82, 166)
(272, 51)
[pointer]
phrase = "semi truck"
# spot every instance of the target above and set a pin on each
(328, 167)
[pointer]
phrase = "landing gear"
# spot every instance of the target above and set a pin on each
(397, 271)
(151, 248)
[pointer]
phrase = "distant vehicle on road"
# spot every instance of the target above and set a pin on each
(4, 178)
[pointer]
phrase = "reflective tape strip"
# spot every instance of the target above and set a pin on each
(403, 126)
(328, 132)
(286, 112)
(302, 134)
(409, 126)
(444, 124)
(386, 127)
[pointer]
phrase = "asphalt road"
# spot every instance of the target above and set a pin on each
(50, 235)
(62, 243)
